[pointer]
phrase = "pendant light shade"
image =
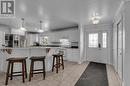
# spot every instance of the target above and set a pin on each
(22, 25)
(40, 29)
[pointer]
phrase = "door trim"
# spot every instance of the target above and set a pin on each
(108, 42)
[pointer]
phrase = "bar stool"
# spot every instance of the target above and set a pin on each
(59, 62)
(35, 59)
(11, 62)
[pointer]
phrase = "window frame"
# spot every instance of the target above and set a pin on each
(105, 40)
(96, 44)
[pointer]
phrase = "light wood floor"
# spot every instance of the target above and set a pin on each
(66, 77)
(113, 78)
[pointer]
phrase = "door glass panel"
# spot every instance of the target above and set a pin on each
(104, 40)
(93, 40)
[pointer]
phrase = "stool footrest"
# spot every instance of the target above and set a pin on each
(18, 72)
(38, 70)
(16, 75)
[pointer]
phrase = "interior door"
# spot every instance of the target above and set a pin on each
(97, 48)
(120, 49)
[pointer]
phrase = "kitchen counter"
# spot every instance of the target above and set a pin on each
(70, 55)
(27, 52)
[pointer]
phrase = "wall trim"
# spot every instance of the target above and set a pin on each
(98, 25)
(119, 9)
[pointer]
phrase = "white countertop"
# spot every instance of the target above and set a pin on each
(35, 47)
(26, 47)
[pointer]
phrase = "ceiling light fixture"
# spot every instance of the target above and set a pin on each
(22, 25)
(95, 21)
(95, 18)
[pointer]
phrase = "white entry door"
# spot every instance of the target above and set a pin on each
(97, 48)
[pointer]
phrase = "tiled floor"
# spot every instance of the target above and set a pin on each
(67, 77)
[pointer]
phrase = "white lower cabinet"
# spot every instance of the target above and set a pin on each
(73, 55)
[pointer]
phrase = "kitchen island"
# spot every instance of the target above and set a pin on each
(8, 52)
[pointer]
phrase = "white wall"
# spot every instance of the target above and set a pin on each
(125, 13)
(82, 43)
(127, 44)
(5, 29)
(117, 19)
(17, 31)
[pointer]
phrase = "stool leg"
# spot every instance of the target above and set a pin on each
(25, 69)
(23, 72)
(57, 64)
(7, 74)
(53, 64)
(31, 68)
(62, 62)
(11, 75)
(44, 72)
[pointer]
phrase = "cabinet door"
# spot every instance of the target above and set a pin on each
(73, 55)
(2, 38)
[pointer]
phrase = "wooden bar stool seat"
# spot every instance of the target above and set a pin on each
(36, 71)
(57, 62)
(11, 62)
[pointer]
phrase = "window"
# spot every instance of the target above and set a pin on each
(104, 40)
(93, 40)
(45, 40)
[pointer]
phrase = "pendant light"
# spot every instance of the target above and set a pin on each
(22, 25)
(40, 29)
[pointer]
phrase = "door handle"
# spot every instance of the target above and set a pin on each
(120, 52)
(99, 46)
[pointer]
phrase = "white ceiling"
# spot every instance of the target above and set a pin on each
(61, 13)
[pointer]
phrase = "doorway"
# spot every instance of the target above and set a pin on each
(97, 46)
